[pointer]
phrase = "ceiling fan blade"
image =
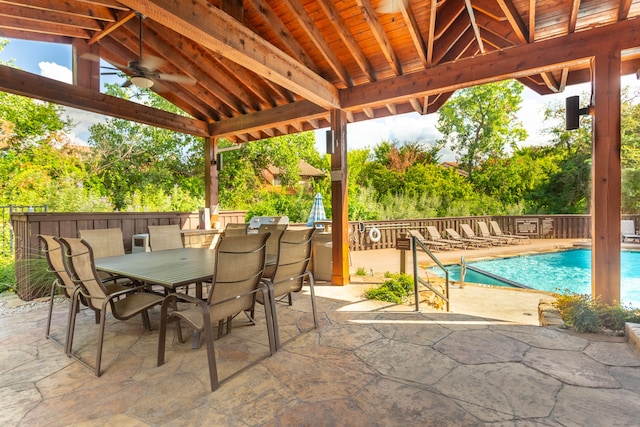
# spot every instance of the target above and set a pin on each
(391, 6)
(109, 73)
(151, 62)
(177, 78)
(96, 58)
(126, 83)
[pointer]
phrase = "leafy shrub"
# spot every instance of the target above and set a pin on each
(585, 314)
(361, 271)
(395, 289)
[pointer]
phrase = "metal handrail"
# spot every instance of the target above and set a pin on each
(417, 280)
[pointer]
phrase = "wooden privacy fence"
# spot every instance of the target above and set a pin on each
(365, 235)
(534, 226)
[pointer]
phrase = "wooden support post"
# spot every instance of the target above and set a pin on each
(211, 177)
(86, 71)
(606, 179)
(339, 200)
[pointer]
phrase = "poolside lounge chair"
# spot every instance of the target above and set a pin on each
(628, 230)
(434, 235)
(430, 243)
(453, 234)
(470, 234)
(485, 232)
(498, 232)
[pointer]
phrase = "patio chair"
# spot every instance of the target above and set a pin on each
(55, 259)
(453, 234)
(105, 242)
(165, 237)
(236, 281)
(434, 235)
(290, 273)
(495, 227)
(429, 243)
(122, 305)
(470, 234)
(273, 246)
(235, 229)
(485, 232)
(628, 230)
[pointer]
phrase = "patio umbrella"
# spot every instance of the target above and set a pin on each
(317, 211)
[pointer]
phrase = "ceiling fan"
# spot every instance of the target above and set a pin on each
(142, 71)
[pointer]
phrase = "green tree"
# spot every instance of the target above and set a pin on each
(140, 167)
(480, 122)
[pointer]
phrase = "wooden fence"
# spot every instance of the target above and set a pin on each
(27, 226)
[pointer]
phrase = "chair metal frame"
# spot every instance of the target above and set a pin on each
(291, 270)
(236, 282)
(122, 304)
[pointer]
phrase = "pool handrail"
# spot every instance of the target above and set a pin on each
(416, 279)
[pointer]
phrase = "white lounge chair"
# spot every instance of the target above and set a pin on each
(484, 232)
(453, 234)
(628, 230)
(468, 232)
(434, 235)
(498, 232)
(430, 243)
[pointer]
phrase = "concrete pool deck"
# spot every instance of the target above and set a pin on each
(367, 364)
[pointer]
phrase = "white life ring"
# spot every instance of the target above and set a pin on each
(374, 235)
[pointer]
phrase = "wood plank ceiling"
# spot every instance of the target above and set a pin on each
(258, 68)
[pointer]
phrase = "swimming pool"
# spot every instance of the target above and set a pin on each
(555, 272)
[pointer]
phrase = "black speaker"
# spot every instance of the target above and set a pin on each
(329, 139)
(572, 113)
(219, 161)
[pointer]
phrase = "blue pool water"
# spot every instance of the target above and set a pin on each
(555, 272)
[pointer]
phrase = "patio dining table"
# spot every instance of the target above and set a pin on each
(171, 268)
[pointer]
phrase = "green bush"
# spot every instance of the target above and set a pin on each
(395, 289)
(585, 314)
(361, 271)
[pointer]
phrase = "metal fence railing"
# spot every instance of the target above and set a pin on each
(6, 231)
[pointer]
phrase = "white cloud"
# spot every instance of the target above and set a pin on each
(55, 71)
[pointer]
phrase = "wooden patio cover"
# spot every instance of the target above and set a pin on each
(271, 67)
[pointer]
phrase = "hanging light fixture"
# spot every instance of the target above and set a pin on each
(141, 81)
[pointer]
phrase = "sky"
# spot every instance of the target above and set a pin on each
(54, 61)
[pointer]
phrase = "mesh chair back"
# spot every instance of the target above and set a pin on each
(239, 266)
(81, 267)
(235, 229)
(276, 231)
(55, 258)
(433, 232)
(104, 242)
(293, 260)
(165, 237)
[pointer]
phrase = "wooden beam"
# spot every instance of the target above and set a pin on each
(86, 73)
(606, 179)
(532, 21)
(623, 10)
(297, 111)
(339, 201)
(342, 28)
(214, 29)
(33, 86)
(431, 31)
(74, 8)
(573, 16)
(379, 34)
(111, 27)
(474, 25)
(262, 9)
(518, 61)
(414, 31)
(312, 31)
(515, 20)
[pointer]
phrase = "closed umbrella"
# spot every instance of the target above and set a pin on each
(317, 211)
